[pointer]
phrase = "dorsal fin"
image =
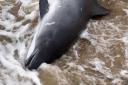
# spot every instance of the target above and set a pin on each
(43, 7)
(99, 11)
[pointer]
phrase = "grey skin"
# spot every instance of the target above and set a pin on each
(43, 7)
(70, 20)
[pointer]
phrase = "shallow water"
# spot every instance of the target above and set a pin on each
(100, 56)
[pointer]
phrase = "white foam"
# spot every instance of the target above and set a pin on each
(125, 41)
(124, 73)
(12, 69)
(126, 11)
(31, 16)
(25, 2)
(21, 12)
(117, 81)
(97, 63)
